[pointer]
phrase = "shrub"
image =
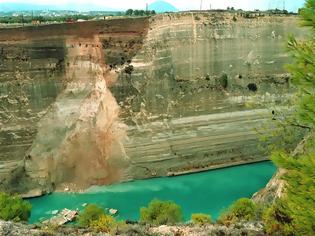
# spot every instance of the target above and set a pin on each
(242, 209)
(294, 213)
(105, 223)
(14, 208)
(201, 219)
(161, 212)
(95, 218)
(90, 213)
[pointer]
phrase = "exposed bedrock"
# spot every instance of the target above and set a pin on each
(107, 101)
(201, 89)
(77, 136)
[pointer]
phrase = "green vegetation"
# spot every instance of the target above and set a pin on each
(95, 218)
(131, 12)
(243, 209)
(294, 214)
(29, 19)
(200, 219)
(90, 213)
(14, 208)
(160, 213)
(105, 223)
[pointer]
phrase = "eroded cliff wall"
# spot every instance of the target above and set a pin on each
(106, 101)
(59, 121)
(202, 88)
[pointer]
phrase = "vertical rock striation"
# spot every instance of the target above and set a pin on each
(77, 138)
(80, 136)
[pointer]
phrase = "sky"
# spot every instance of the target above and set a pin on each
(291, 5)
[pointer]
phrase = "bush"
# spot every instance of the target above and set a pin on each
(105, 223)
(294, 213)
(14, 208)
(161, 212)
(243, 209)
(95, 218)
(90, 213)
(200, 219)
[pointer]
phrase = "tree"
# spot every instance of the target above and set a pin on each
(129, 12)
(161, 212)
(14, 208)
(141, 12)
(294, 213)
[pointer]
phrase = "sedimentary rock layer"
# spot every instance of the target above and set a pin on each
(105, 101)
(60, 121)
(202, 88)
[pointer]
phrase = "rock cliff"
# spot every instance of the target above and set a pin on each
(105, 101)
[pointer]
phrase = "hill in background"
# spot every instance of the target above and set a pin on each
(162, 6)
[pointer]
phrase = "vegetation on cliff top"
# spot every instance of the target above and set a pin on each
(243, 209)
(200, 219)
(94, 217)
(161, 212)
(14, 208)
(132, 12)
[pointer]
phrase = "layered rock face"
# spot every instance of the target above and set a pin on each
(107, 101)
(60, 121)
(202, 89)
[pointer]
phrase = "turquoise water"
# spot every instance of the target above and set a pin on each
(206, 192)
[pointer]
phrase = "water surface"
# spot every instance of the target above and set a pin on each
(207, 192)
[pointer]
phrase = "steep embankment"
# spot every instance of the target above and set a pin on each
(201, 87)
(67, 129)
(105, 101)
